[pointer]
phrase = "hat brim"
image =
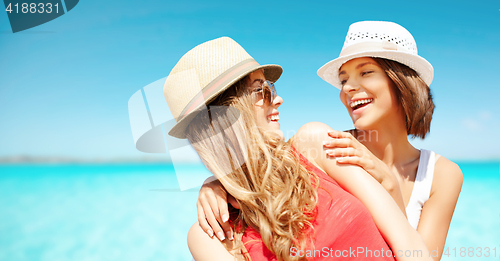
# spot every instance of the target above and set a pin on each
(272, 72)
(330, 71)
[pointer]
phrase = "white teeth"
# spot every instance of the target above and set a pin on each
(273, 118)
(358, 102)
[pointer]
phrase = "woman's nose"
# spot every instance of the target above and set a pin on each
(350, 86)
(277, 101)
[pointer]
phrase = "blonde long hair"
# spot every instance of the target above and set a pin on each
(277, 194)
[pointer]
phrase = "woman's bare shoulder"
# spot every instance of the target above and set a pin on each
(311, 135)
(447, 176)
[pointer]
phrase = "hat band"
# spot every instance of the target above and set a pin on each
(215, 85)
(371, 46)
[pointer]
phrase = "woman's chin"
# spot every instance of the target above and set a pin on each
(276, 134)
(280, 134)
(362, 125)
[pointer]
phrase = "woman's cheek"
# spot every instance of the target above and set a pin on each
(343, 98)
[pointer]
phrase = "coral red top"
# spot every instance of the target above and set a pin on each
(343, 227)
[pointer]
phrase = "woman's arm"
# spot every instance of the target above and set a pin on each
(388, 217)
(438, 210)
(204, 248)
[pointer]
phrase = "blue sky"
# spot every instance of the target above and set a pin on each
(65, 85)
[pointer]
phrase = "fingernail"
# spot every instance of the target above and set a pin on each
(225, 218)
(210, 232)
(220, 235)
(229, 235)
(324, 142)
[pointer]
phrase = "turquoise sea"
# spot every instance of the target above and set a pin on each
(137, 212)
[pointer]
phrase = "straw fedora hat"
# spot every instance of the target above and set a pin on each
(378, 39)
(205, 72)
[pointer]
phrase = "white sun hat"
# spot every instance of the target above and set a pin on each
(378, 39)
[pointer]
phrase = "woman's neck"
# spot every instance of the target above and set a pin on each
(390, 144)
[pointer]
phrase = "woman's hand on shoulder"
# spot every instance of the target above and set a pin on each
(346, 149)
(213, 214)
(309, 142)
(318, 141)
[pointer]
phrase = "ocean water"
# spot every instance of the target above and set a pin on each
(137, 212)
(475, 228)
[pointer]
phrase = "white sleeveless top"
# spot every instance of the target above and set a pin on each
(422, 187)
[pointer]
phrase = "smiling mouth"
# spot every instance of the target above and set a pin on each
(274, 118)
(360, 104)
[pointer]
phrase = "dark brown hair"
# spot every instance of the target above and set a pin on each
(413, 94)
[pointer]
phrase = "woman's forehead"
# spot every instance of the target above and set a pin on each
(259, 74)
(355, 62)
(256, 77)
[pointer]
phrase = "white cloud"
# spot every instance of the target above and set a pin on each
(480, 121)
(485, 115)
(471, 124)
